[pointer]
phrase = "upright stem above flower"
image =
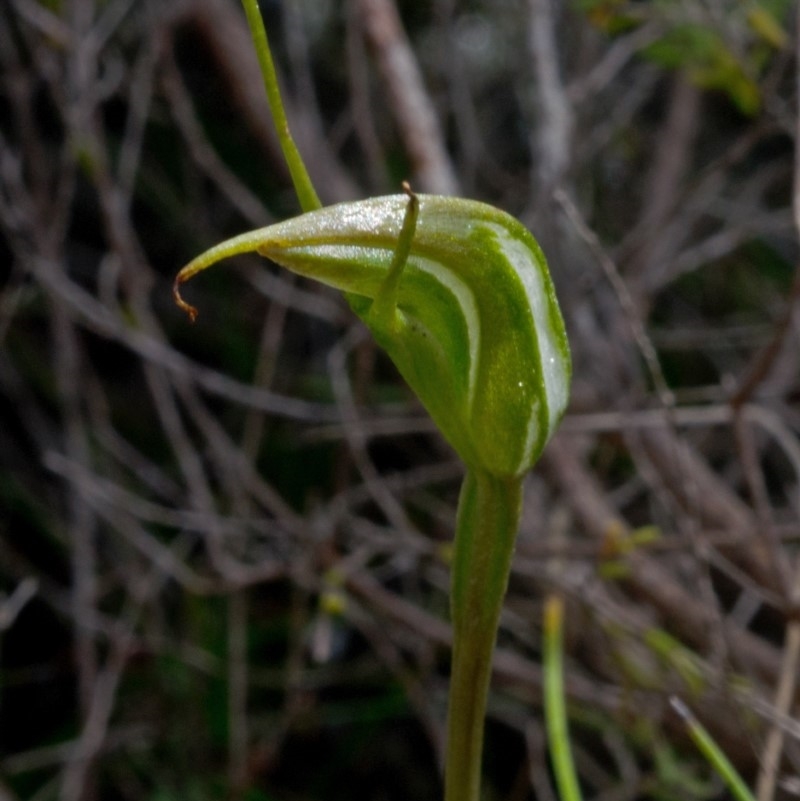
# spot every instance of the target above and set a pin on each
(306, 194)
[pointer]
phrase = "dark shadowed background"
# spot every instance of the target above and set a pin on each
(224, 547)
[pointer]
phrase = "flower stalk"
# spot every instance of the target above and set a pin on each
(486, 529)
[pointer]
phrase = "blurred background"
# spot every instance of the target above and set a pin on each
(224, 546)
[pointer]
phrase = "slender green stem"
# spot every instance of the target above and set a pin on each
(486, 528)
(306, 193)
(554, 706)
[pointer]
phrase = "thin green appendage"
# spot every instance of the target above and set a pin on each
(383, 312)
(488, 518)
(306, 194)
(712, 752)
(554, 706)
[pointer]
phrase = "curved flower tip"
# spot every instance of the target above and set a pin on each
(190, 310)
(244, 243)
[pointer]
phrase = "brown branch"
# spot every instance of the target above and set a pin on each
(412, 107)
(648, 581)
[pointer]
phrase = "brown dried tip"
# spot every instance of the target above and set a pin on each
(180, 302)
(407, 189)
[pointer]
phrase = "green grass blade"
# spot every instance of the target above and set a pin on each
(554, 704)
(712, 752)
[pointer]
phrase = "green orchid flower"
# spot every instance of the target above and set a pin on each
(459, 296)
